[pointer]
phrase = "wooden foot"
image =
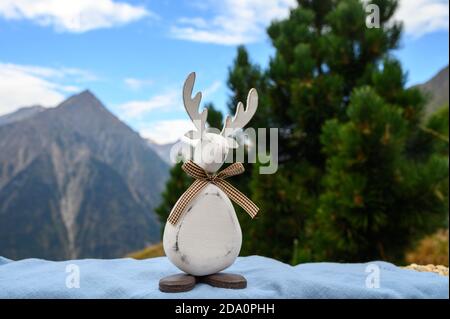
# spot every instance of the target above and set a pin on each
(177, 283)
(225, 280)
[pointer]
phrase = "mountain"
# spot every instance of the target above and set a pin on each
(21, 114)
(436, 90)
(76, 182)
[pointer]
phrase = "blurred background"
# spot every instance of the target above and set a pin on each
(90, 105)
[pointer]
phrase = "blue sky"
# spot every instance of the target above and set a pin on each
(135, 55)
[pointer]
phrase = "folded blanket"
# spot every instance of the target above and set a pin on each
(267, 278)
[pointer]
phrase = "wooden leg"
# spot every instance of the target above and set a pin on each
(177, 283)
(225, 280)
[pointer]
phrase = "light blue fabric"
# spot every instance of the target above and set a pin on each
(267, 278)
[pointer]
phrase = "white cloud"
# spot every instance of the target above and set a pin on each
(73, 16)
(166, 131)
(236, 22)
(24, 85)
(170, 100)
(423, 16)
(244, 21)
(76, 75)
(137, 84)
(195, 22)
(164, 101)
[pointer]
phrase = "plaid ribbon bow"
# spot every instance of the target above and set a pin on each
(202, 178)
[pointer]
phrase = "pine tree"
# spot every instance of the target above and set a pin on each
(242, 76)
(377, 201)
(323, 53)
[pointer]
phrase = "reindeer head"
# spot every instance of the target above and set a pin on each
(211, 149)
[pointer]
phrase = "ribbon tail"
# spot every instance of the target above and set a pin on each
(232, 170)
(185, 199)
(236, 196)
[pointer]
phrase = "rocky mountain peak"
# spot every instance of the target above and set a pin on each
(76, 182)
(85, 100)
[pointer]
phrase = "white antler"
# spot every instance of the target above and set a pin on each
(191, 105)
(242, 117)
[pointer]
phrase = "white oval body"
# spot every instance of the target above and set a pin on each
(207, 237)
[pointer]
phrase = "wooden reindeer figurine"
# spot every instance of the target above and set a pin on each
(202, 236)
